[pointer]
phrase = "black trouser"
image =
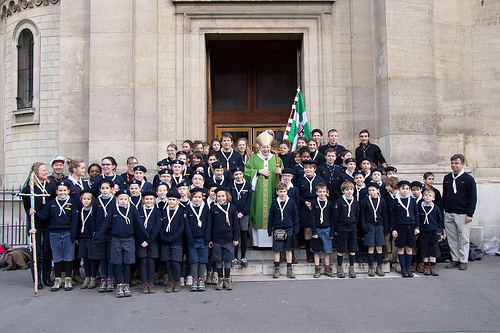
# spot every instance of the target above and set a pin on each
(43, 255)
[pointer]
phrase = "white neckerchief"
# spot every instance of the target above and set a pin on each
(394, 195)
(225, 211)
(105, 206)
(417, 199)
(310, 182)
(315, 154)
(76, 182)
(289, 186)
(89, 183)
(221, 180)
(170, 218)
(146, 215)
(127, 220)
(142, 183)
(407, 208)
(426, 221)
(84, 220)
(282, 209)
(244, 157)
(177, 181)
(358, 190)
(158, 200)
(42, 188)
(238, 193)
(321, 209)
(227, 158)
(368, 173)
(454, 180)
(348, 204)
(61, 208)
(138, 201)
(374, 208)
(112, 179)
(350, 174)
(198, 215)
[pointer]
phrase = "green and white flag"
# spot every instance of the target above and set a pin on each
(298, 125)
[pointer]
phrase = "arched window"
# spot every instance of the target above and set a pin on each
(25, 70)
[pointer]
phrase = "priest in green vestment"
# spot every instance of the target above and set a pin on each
(262, 170)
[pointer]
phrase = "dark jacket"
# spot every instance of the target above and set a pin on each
(193, 231)
(222, 232)
(290, 217)
(372, 151)
(399, 214)
(464, 201)
(173, 237)
(343, 221)
(67, 220)
(367, 216)
(328, 213)
(121, 227)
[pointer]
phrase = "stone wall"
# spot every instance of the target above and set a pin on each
(40, 140)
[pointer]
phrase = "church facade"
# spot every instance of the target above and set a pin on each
(92, 78)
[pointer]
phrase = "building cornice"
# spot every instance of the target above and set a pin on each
(11, 7)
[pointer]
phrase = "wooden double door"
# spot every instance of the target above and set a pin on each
(251, 86)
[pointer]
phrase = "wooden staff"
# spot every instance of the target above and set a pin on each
(32, 196)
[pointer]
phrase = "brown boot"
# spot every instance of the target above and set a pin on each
(463, 266)
(177, 287)
(427, 270)
(421, 267)
(379, 271)
(151, 288)
(413, 267)
(76, 276)
(452, 264)
(371, 271)
(434, 271)
(145, 289)
(170, 287)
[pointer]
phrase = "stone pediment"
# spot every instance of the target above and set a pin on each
(10, 7)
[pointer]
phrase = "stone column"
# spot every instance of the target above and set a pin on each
(74, 78)
(111, 100)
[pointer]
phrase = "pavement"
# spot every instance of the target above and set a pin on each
(456, 301)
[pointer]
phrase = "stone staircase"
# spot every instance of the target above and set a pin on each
(261, 267)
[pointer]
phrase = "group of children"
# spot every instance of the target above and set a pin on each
(196, 209)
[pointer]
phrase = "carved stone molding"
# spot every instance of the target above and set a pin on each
(11, 7)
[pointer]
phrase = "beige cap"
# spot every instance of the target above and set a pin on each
(264, 139)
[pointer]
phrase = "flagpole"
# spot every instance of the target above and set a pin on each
(290, 118)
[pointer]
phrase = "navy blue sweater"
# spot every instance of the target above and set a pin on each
(290, 217)
(434, 218)
(85, 223)
(243, 203)
(234, 159)
(58, 222)
(464, 201)
(372, 151)
(366, 214)
(224, 182)
(343, 221)
(154, 222)
(304, 187)
(121, 227)
(99, 212)
(75, 189)
(193, 231)
(222, 232)
(399, 214)
(116, 179)
(173, 237)
(333, 176)
(50, 189)
(328, 213)
(288, 160)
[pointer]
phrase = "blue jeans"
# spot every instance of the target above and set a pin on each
(63, 248)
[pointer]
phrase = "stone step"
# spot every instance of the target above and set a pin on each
(266, 268)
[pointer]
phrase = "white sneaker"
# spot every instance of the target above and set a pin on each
(189, 280)
(182, 282)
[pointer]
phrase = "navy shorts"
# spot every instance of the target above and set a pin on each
(101, 247)
(171, 252)
(198, 251)
(287, 244)
(305, 216)
(406, 236)
(85, 248)
(428, 243)
(324, 234)
(347, 242)
(150, 251)
(122, 250)
(375, 235)
(223, 251)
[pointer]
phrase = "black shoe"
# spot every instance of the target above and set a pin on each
(40, 285)
(48, 283)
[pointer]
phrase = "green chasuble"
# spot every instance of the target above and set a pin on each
(264, 189)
